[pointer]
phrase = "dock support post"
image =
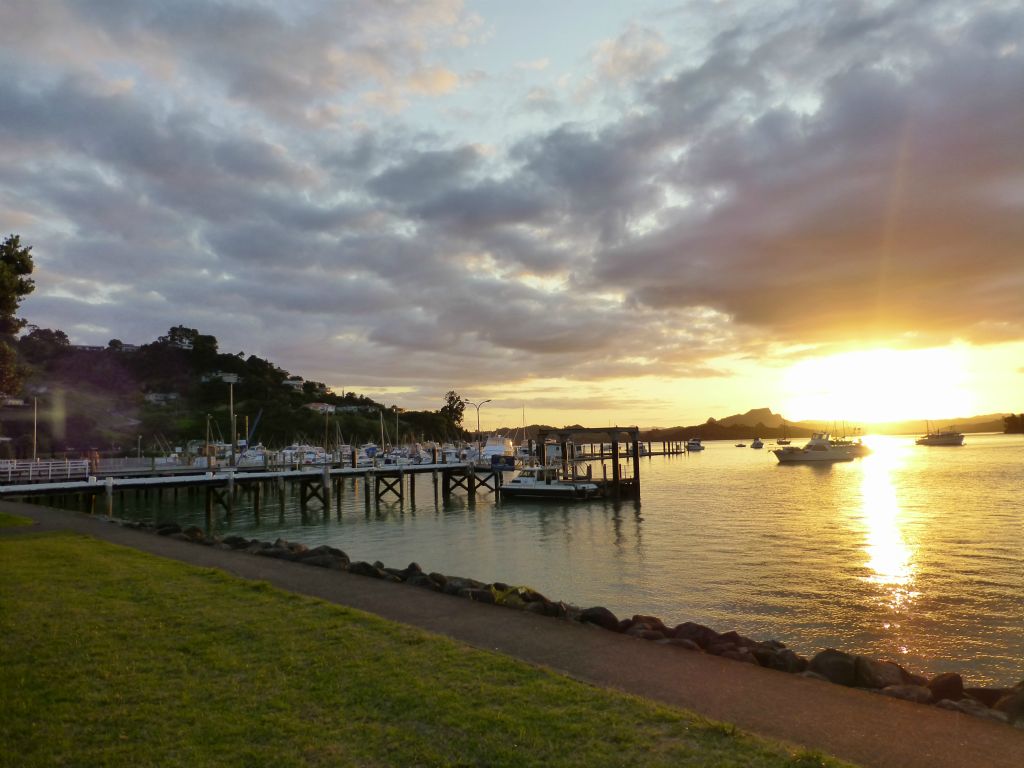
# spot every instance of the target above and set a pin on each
(616, 475)
(636, 467)
(326, 480)
(109, 486)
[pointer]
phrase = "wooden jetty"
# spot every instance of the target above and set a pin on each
(221, 487)
(323, 483)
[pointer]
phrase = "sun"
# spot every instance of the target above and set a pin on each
(879, 385)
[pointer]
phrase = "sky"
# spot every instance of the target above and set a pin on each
(585, 212)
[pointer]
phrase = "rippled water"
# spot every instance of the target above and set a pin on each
(913, 554)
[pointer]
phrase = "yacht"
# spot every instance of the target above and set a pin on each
(694, 444)
(544, 483)
(856, 447)
(947, 436)
(819, 448)
(757, 443)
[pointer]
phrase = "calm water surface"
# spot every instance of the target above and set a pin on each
(914, 554)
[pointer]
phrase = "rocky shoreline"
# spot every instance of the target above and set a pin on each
(946, 690)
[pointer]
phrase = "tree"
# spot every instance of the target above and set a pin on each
(15, 283)
(42, 344)
(1014, 424)
(453, 407)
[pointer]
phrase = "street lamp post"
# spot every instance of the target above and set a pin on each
(479, 451)
(209, 461)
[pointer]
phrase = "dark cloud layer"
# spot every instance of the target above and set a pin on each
(809, 175)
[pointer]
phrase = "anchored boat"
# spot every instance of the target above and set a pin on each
(544, 483)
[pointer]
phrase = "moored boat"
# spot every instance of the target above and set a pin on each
(694, 444)
(818, 449)
(544, 483)
(947, 436)
(757, 443)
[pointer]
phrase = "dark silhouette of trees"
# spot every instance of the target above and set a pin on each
(453, 408)
(1014, 424)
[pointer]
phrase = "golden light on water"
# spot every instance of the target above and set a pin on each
(890, 558)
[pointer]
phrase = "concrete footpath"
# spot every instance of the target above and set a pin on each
(864, 728)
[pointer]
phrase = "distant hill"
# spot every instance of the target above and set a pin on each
(762, 422)
(753, 418)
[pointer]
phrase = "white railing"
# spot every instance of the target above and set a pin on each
(43, 470)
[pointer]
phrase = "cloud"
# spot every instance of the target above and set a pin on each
(787, 177)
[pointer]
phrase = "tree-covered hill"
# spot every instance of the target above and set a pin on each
(169, 390)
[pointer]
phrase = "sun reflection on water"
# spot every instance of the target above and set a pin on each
(890, 559)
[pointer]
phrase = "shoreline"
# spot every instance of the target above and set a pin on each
(868, 729)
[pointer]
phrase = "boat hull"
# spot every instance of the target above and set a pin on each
(568, 493)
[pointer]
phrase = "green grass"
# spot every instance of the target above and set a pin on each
(11, 521)
(111, 657)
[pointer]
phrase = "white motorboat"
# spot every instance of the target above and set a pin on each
(757, 443)
(694, 444)
(818, 449)
(947, 436)
(544, 483)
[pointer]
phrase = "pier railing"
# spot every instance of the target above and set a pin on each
(43, 470)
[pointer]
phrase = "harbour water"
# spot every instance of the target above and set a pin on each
(912, 554)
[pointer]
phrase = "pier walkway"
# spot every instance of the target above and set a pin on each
(864, 728)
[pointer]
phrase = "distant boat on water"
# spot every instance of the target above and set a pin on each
(818, 449)
(947, 436)
(694, 444)
(758, 443)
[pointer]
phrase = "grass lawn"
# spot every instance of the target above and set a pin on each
(10, 521)
(112, 657)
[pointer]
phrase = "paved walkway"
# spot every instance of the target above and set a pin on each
(864, 728)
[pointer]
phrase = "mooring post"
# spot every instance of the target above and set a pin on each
(367, 479)
(412, 488)
(636, 467)
(231, 494)
(109, 487)
(616, 475)
(326, 480)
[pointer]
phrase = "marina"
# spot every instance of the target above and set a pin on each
(904, 553)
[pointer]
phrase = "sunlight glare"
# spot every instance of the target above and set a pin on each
(879, 385)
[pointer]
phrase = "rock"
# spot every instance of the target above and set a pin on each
(411, 569)
(919, 694)
(280, 553)
(600, 616)
(398, 573)
(236, 542)
(987, 696)
(362, 568)
(720, 649)
(325, 561)
(438, 578)
(679, 642)
(736, 639)
(972, 707)
(814, 676)
(178, 536)
(701, 635)
(835, 666)
(1012, 705)
(422, 580)
(323, 551)
(794, 662)
(166, 529)
(456, 584)
(948, 685)
(195, 533)
(872, 673)
(740, 654)
(651, 622)
(478, 595)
